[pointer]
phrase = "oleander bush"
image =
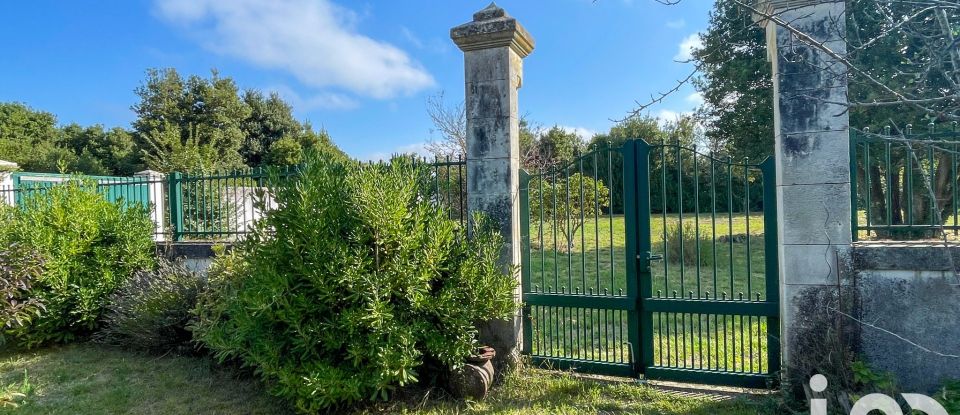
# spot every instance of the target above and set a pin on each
(152, 310)
(342, 293)
(19, 268)
(89, 247)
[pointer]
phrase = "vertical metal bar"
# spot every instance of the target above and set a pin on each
(889, 172)
(644, 247)
(909, 198)
(525, 260)
(568, 225)
(866, 177)
(680, 215)
(746, 210)
(613, 262)
(596, 216)
(696, 217)
(953, 187)
(583, 231)
(175, 198)
(556, 248)
(663, 214)
(934, 206)
(854, 216)
(771, 261)
(543, 244)
(713, 219)
(730, 218)
(634, 170)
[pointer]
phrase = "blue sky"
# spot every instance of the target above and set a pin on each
(361, 69)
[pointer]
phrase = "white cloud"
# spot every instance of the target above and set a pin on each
(687, 46)
(695, 99)
(584, 133)
(411, 37)
(314, 40)
(667, 116)
(321, 100)
(420, 149)
(677, 24)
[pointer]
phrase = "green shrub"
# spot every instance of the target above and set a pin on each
(89, 247)
(18, 270)
(343, 292)
(682, 245)
(152, 310)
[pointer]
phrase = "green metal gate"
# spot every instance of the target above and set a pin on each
(651, 260)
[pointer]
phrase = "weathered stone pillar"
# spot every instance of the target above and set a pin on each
(494, 45)
(812, 155)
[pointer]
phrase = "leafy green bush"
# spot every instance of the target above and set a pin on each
(152, 310)
(343, 292)
(18, 270)
(89, 247)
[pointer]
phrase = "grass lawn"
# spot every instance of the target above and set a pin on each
(91, 379)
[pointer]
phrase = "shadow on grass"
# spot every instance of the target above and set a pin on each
(534, 391)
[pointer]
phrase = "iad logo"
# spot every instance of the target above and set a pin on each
(876, 402)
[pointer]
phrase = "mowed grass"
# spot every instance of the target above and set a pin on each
(716, 260)
(91, 379)
(598, 260)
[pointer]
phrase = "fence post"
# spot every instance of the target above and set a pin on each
(494, 45)
(154, 182)
(7, 185)
(175, 197)
(812, 135)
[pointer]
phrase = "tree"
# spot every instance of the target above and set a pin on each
(183, 116)
(285, 152)
(450, 121)
(566, 204)
(607, 164)
(557, 147)
(902, 67)
(168, 151)
(29, 138)
(271, 119)
(736, 84)
(100, 151)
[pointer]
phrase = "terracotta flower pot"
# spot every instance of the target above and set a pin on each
(473, 380)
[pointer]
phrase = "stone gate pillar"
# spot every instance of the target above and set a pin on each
(494, 45)
(812, 156)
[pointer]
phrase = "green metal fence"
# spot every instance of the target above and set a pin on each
(676, 286)
(222, 205)
(904, 183)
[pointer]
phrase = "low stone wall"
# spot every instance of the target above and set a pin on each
(909, 310)
(197, 256)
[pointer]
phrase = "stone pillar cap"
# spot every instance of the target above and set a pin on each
(8, 165)
(770, 7)
(491, 28)
(150, 173)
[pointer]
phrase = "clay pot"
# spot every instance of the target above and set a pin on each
(473, 380)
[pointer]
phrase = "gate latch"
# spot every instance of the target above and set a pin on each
(650, 257)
